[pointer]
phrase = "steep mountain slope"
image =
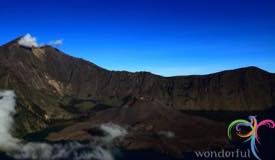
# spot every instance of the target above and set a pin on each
(52, 86)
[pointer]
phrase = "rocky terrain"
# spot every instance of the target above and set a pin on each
(151, 125)
(54, 88)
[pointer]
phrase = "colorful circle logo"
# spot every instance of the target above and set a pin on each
(251, 136)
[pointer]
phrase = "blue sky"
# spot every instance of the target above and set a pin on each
(166, 37)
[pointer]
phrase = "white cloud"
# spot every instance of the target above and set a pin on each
(113, 131)
(28, 41)
(7, 110)
(57, 42)
(71, 150)
(167, 134)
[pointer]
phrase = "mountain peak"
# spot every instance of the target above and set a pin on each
(29, 42)
(13, 42)
(251, 69)
(254, 68)
(59, 83)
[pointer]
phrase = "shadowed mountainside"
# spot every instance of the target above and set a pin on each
(52, 86)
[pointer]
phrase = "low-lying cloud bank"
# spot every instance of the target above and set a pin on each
(71, 150)
(7, 110)
(112, 131)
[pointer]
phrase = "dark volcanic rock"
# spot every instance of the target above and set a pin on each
(52, 86)
(152, 125)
